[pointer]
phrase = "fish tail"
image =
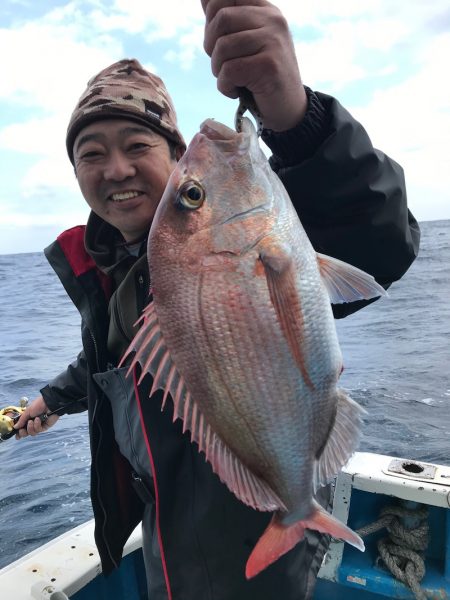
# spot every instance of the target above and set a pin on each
(278, 539)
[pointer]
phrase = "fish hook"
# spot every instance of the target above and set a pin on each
(247, 102)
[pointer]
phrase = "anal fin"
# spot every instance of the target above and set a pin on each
(342, 441)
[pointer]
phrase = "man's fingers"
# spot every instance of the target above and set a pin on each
(22, 420)
(248, 44)
(212, 7)
(251, 46)
(25, 427)
(229, 21)
(33, 426)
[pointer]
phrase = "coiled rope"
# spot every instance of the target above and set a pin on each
(400, 549)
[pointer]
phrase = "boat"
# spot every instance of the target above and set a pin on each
(400, 507)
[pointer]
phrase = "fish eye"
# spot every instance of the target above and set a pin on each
(191, 195)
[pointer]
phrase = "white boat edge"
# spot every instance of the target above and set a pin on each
(66, 564)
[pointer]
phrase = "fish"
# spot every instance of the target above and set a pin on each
(240, 334)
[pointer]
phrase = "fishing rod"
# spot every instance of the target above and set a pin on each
(11, 414)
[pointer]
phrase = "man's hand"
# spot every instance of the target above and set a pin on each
(29, 423)
(250, 46)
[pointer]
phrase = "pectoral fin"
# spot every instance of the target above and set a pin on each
(346, 283)
(281, 281)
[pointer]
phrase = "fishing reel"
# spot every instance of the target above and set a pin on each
(9, 417)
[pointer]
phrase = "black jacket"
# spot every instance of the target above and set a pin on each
(351, 200)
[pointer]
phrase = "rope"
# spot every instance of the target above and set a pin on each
(400, 549)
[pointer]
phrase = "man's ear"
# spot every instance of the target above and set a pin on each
(179, 152)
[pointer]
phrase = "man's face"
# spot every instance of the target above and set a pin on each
(122, 170)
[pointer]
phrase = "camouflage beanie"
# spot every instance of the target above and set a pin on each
(125, 90)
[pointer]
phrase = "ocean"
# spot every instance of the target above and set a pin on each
(397, 365)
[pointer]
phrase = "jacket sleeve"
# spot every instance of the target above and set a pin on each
(350, 197)
(68, 391)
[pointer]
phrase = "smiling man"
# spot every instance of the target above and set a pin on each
(123, 141)
(111, 155)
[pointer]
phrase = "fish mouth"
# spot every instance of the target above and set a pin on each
(214, 130)
(218, 132)
(225, 138)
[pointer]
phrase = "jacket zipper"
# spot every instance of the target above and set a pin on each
(118, 320)
(142, 296)
(102, 505)
(97, 470)
(155, 483)
(94, 342)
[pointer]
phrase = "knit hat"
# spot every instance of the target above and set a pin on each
(125, 90)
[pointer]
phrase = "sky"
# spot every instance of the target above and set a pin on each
(386, 62)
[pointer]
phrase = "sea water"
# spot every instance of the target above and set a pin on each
(397, 365)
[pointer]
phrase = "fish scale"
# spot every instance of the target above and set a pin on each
(247, 346)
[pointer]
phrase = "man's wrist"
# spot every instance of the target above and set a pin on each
(301, 141)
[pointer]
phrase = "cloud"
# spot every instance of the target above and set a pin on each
(40, 136)
(190, 45)
(39, 90)
(51, 78)
(156, 20)
(359, 46)
(320, 13)
(386, 62)
(24, 220)
(32, 237)
(411, 121)
(330, 60)
(383, 59)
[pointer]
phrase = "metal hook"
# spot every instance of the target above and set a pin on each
(247, 102)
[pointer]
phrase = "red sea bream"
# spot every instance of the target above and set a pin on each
(241, 334)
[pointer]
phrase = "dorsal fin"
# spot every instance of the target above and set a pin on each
(152, 354)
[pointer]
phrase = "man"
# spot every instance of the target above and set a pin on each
(124, 141)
